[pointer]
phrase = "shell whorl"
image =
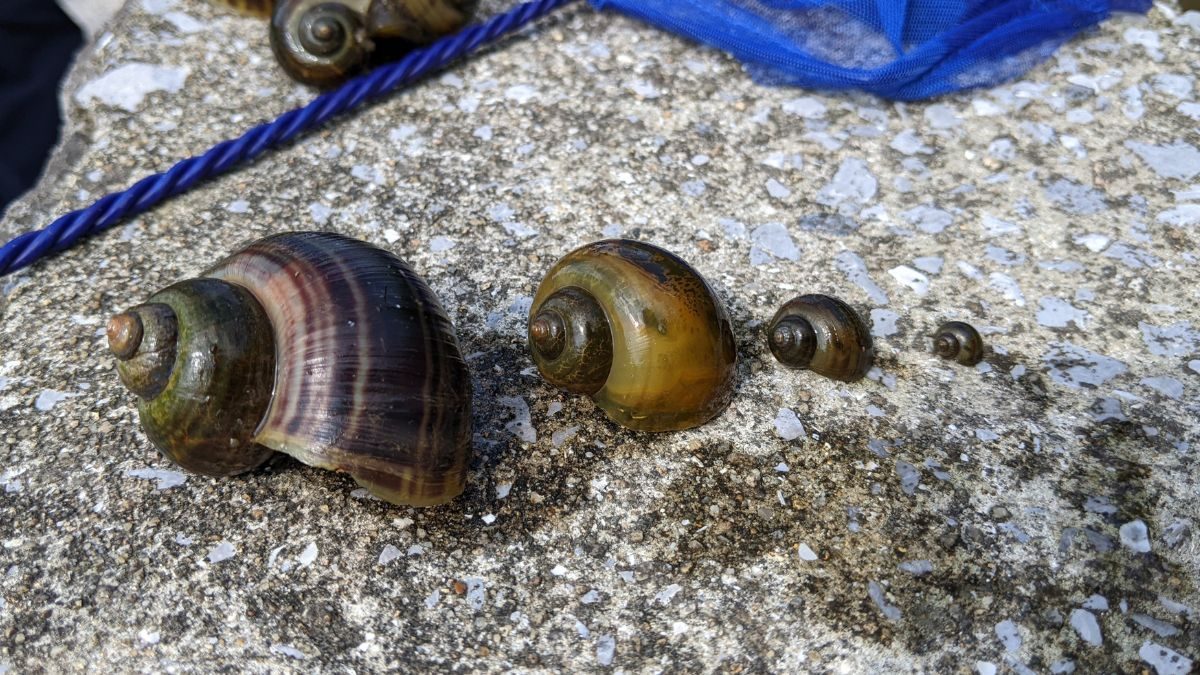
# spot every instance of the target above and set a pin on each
(199, 356)
(416, 21)
(369, 378)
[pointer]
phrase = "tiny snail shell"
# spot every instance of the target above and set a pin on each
(958, 341)
(319, 42)
(638, 330)
(311, 344)
(822, 334)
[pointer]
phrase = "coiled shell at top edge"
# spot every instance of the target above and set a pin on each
(369, 377)
(674, 357)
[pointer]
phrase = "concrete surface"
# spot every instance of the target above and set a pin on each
(1037, 513)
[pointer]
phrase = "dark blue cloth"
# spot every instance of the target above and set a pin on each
(37, 42)
(898, 49)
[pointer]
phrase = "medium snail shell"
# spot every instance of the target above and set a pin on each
(320, 42)
(958, 341)
(637, 329)
(312, 344)
(822, 334)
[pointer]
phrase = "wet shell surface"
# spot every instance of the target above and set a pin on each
(822, 334)
(367, 376)
(641, 332)
(958, 341)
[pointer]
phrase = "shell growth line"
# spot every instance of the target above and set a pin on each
(26, 249)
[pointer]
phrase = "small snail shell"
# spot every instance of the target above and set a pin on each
(416, 22)
(312, 344)
(637, 329)
(822, 334)
(319, 42)
(958, 341)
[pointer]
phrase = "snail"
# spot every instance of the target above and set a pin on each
(638, 330)
(319, 42)
(822, 334)
(322, 42)
(312, 344)
(958, 341)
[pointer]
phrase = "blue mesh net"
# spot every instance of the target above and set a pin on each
(898, 49)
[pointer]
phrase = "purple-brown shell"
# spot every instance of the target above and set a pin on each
(367, 375)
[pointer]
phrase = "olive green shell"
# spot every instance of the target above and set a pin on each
(673, 355)
(204, 411)
(312, 344)
(960, 342)
(841, 347)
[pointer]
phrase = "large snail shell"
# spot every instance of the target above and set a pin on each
(320, 42)
(416, 22)
(822, 334)
(316, 345)
(638, 329)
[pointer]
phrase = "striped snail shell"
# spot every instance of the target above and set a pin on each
(311, 344)
(822, 334)
(638, 330)
(958, 341)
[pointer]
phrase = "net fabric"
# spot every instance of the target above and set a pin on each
(897, 49)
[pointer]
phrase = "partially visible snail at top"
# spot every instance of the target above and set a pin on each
(637, 329)
(312, 344)
(958, 341)
(822, 334)
(323, 42)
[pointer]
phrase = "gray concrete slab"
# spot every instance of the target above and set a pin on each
(931, 517)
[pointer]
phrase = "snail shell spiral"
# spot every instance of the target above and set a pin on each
(312, 344)
(320, 42)
(261, 8)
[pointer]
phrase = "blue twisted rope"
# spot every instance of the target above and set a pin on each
(28, 248)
